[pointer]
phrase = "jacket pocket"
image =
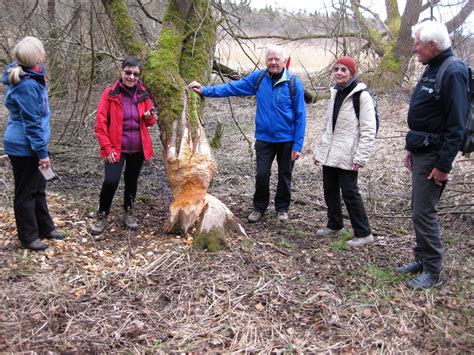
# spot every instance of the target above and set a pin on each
(422, 142)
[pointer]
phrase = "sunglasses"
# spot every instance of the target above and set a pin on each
(130, 73)
(341, 69)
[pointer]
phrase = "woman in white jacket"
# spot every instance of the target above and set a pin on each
(343, 147)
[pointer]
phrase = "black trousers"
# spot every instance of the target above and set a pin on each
(335, 181)
(266, 153)
(31, 210)
(133, 163)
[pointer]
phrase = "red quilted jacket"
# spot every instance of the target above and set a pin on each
(109, 121)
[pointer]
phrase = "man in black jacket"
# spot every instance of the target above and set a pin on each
(436, 129)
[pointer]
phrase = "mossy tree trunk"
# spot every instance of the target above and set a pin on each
(393, 45)
(184, 53)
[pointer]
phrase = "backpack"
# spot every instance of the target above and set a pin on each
(292, 84)
(356, 104)
(467, 145)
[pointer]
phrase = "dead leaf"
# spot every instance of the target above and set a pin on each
(367, 313)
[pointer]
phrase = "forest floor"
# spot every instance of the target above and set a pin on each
(279, 289)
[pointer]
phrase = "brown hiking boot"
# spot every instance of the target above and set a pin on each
(100, 223)
(129, 219)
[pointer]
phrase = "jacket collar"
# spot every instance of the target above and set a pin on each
(285, 76)
(437, 60)
(117, 89)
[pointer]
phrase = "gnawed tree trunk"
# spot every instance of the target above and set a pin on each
(184, 53)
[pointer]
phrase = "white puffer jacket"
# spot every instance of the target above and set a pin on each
(352, 140)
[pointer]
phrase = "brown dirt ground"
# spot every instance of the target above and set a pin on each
(277, 290)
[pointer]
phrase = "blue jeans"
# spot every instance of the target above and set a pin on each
(266, 153)
(335, 181)
(425, 196)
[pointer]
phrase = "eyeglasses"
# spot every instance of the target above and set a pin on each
(130, 73)
(341, 69)
(274, 59)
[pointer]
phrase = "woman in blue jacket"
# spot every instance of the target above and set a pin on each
(26, 142)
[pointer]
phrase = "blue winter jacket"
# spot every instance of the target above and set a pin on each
(28, 131)
(278, 119)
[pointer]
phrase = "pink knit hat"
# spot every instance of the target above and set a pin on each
(349, 62)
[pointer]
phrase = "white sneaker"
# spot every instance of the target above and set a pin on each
(282, 216)
(360, 242)
(255, 216)
(328, 231)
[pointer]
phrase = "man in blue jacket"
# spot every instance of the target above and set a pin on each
(280, 125)
(436, 130)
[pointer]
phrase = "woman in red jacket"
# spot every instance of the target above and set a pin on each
(124, 113)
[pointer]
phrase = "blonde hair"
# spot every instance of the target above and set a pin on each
(27, 53)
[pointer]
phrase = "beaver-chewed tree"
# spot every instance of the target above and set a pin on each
(184, 52)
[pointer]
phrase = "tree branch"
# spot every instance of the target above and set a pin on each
(147, 13)
(461, 17)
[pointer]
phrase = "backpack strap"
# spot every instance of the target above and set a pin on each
(291, 83)
(356, 102)
(260, 77)
(439, 75)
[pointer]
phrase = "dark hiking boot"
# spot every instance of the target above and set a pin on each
(55, 234)
(129, 219)
(412, 267)
(35, 245)
(100, 223)
(424, 280)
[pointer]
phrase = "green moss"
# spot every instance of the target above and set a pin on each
(124, 27)
(377, 39)
(184, 52)
(214, 240)
(198, 51)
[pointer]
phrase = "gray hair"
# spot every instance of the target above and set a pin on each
(276, 49)
(432, 31)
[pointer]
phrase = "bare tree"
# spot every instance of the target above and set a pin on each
(390, 40)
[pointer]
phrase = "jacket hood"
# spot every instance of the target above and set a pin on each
(38, 73)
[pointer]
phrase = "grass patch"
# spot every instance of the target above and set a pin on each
(296, 231)
(23, 263)
(286, 243)
(381, 277)
(144, 198)
(341, 242)
(247, 245)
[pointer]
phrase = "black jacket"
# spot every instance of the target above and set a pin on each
(445, 117)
